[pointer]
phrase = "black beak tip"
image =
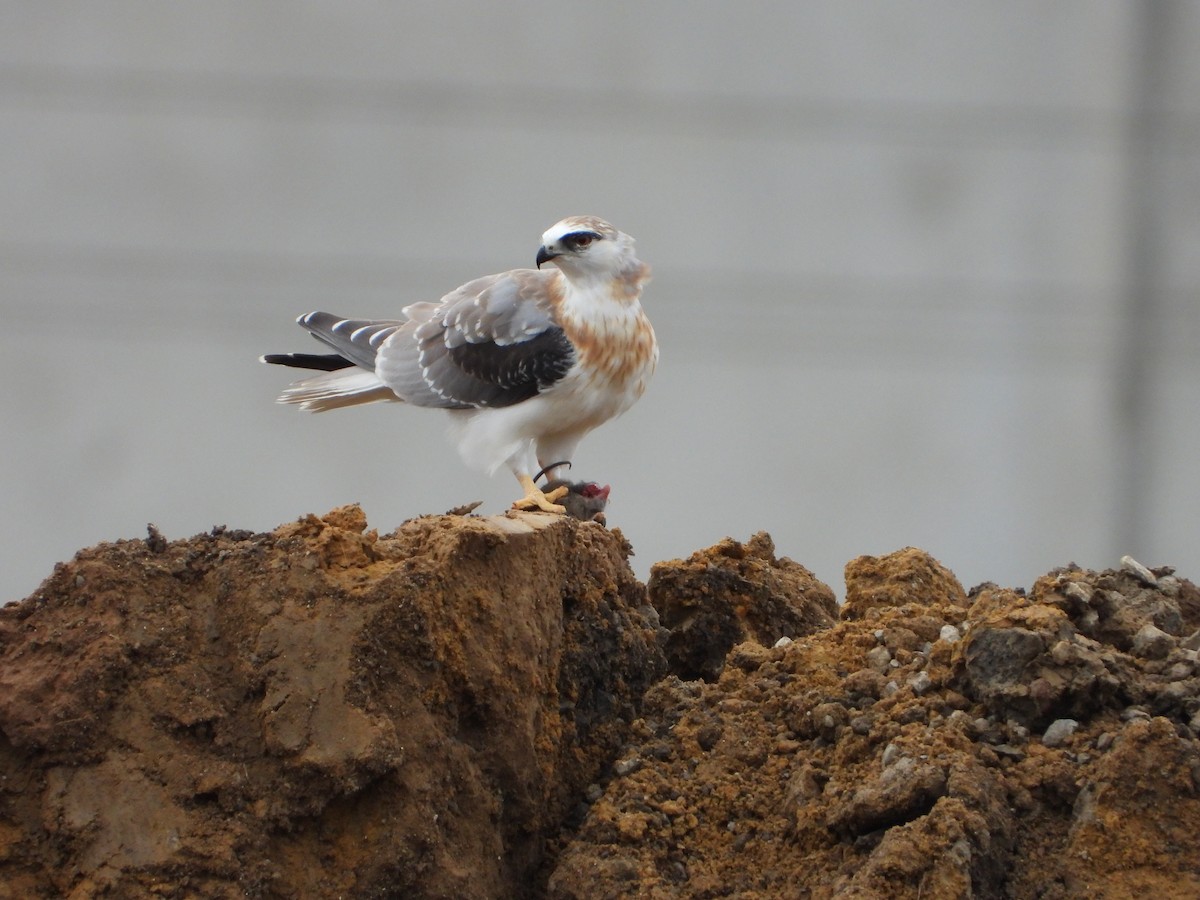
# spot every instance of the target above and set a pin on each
(544, 256)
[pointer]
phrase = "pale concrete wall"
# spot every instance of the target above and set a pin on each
(895, 251)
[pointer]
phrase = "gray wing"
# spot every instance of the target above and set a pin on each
(492, 342)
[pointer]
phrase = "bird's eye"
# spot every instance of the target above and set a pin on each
(581, 240)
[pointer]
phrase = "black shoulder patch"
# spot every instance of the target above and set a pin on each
(519, 371)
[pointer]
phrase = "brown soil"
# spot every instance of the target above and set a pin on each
(495, 707)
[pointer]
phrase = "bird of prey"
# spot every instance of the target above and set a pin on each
(526, 361)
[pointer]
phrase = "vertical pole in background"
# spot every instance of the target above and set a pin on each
(1141, 313)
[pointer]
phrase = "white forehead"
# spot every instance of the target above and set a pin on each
(575, 224)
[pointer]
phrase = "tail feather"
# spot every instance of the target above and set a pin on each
(322, 362)
(357, 340)
(333, 390)
(347, 377)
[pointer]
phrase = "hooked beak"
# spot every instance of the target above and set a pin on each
(545, 255)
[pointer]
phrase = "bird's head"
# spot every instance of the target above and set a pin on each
(583, 246)
(585, 500)
(589, 490)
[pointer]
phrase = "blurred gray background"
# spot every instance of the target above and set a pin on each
(925, 273)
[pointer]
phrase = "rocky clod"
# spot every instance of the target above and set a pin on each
(732, 593)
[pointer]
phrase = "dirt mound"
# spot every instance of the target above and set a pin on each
(495, 707)
(930, 745)
(316, 712)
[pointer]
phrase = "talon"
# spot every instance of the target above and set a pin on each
(544, 469)
(535, 499)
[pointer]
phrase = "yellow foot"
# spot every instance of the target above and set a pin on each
(535, 499)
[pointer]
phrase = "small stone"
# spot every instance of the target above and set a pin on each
(1077, 592)
(1009, 751)
(627, 766)
(1179, 671)
(708, 735)
(784, 641)
(1192, 641)
(891, 753)
(890, 688)
(861, 725)
(959, 719)
(805, 784)
(987, 757)
(878, 658)
(594, 792)
(900, 767)
(1017, 731)
(1062, 652)
(1130, 713)
(1105, 740)
(1138, 571)
(1151, 642)
(864, 683)
(920, 683)
(1058, 732)
(950, 634)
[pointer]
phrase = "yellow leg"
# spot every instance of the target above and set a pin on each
(535, 499)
